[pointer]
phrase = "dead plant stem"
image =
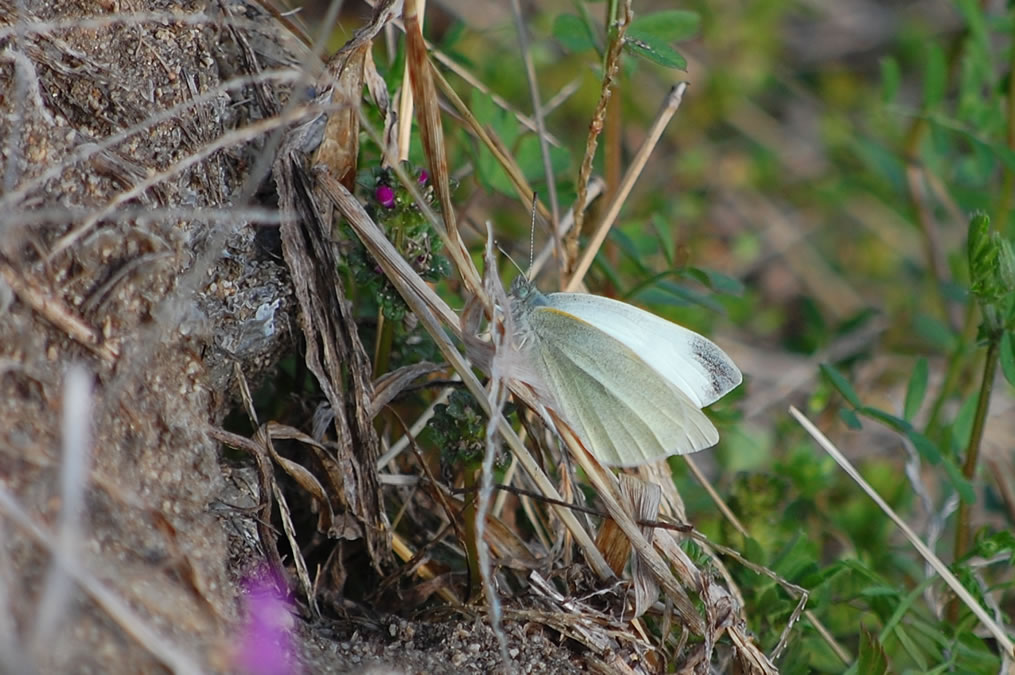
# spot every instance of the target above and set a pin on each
(610, 68)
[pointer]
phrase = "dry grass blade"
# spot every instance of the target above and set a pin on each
(392, 384)
(290, 534)
(265, 482)
(506, 161)
(74, 478)
(334, 352)
(537, 112)
(431, 131)
(402, 443)
(988, 622)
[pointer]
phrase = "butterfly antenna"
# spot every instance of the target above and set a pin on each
(508, 256)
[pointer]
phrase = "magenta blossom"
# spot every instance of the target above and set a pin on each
(385, 196)
(265, 644)
(423, 177)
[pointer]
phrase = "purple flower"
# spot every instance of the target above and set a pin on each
(423, 177)
(385, 196)
(265, 641)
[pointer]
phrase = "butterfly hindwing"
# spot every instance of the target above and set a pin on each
(627, 410)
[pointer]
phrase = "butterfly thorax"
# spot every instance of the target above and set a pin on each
(524, 298)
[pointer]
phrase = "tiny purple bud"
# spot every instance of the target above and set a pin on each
(385, 196)
(423, 177)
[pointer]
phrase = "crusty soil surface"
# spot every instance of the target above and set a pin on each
(160, 298)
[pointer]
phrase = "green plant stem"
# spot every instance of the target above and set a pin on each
(914, 137)
(973, 451)
(471, 545)
(1008, 174)
(955, 363)
(382, 348)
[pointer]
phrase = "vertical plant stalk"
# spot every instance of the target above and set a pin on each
(956, 361)
(669, 108)
(382, 346)
(471, 542)
(1008, 174)
(544, 147)
(975, 438)
(610, 68)
(613, 134)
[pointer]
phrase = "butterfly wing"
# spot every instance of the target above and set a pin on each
(689, 361)
(626, 410)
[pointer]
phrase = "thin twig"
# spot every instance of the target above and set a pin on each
(610, 69)
(537, 113)
(669, 107)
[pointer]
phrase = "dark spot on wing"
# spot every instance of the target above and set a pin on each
(722, 377)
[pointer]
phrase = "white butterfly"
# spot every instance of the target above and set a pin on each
(632, 384)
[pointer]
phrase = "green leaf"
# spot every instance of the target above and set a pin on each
(926, 447)
(897, 423)
(630, 250)
(670, 26)
(675, 294)
(850, 418)
(529, 157)
(664, 233)
(573, 33)
(1008, 357)
(935, 332)
(872, 659)
(987, 147)
(841, 384)
(962, 486)
(654, 49)
(987, 264)
(716, 281)
(935, 75)
(891, 79)
(916, 389)
(962, 426)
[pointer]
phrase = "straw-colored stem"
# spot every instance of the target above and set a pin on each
(666, 112)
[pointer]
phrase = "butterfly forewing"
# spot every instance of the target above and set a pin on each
(687, 360)
(627, 410)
